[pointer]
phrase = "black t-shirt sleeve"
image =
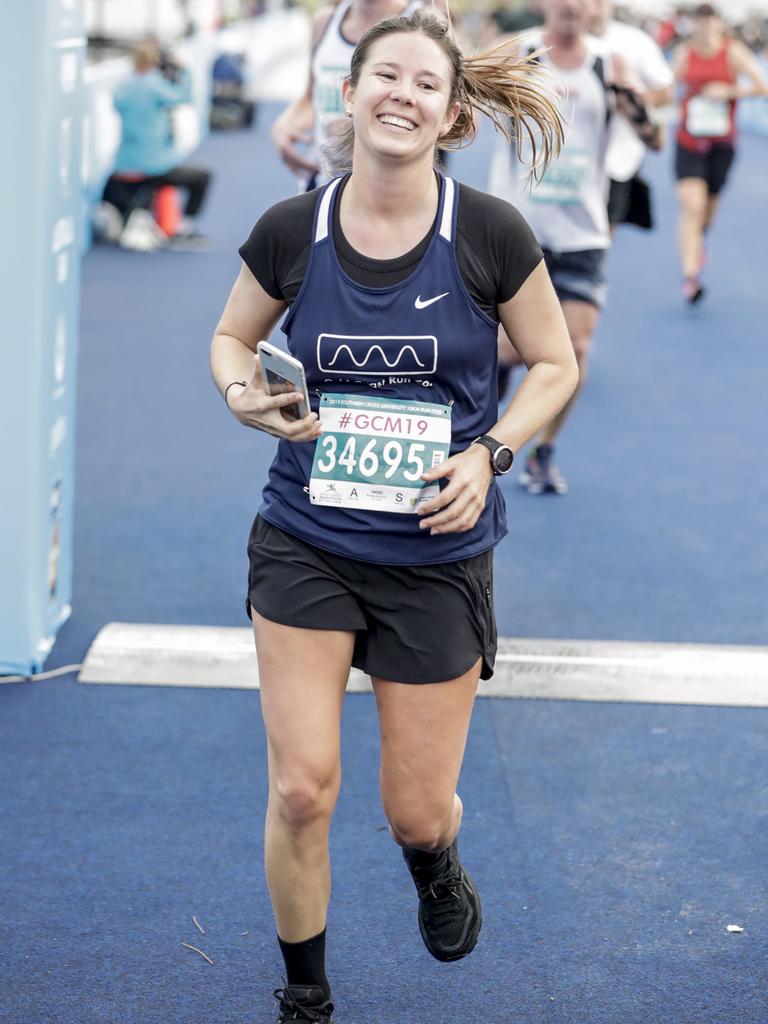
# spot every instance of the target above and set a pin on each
(276, 250)
(496, 248)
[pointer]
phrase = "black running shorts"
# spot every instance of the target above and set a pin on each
(414, 623)
(578, 276)
(711, 166)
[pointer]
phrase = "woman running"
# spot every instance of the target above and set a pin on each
(373, 543)
(709, 67)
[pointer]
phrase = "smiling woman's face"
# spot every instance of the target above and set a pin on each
(400, 105)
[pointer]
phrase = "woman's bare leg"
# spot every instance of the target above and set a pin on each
(303, 674)
(423, 735)
(694, 199)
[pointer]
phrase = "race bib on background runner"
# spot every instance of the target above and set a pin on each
(563, 181)
(328, 98)
(708, 118)
(373, 451)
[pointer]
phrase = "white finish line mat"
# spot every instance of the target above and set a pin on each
(216, 656)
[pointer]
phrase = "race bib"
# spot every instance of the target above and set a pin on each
(708, 118)
(327, 91)
(563, 181)
(373, 451)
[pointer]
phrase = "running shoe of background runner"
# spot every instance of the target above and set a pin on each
(303, 1004)
(450, 916)
(693, 290)
(541, 475)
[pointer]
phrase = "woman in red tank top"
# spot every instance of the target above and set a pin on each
(709, 67)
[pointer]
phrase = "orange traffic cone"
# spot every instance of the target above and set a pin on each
(167, 209)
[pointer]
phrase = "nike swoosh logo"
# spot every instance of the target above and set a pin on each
(419, 304)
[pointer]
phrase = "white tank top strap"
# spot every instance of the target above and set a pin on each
(334, 22)
(323, 226)
(446, 221)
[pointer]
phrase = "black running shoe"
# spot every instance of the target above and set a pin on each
(693, 290)
(541, 475)
(302, 1004)
(450, 916)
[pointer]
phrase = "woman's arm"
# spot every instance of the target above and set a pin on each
(631, 101)
(680, 63)
(172, 94)
(744, 64)
(248, 317)
(534, 323)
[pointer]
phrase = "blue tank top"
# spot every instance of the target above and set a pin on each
(422, 339)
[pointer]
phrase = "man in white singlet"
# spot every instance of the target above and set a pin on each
(567, 208)
(629, 199)
(336, 31)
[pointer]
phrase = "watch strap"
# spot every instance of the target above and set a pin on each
(492, 446)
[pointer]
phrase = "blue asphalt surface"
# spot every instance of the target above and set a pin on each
(612, 844)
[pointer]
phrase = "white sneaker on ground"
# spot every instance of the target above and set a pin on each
(141, 233)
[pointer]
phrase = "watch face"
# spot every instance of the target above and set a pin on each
(503, 459)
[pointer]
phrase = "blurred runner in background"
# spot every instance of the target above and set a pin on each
(708, 66)
(629, 200)
(336, 31)
(567, 208)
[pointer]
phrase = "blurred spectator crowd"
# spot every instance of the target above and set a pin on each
(668, 28)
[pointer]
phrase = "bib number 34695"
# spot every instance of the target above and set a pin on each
(396, 458)
(372, 452)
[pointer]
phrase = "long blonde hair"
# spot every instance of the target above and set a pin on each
(516, 93)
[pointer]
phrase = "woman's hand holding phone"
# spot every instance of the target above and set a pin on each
(254, 407)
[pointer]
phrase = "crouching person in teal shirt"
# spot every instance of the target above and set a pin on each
(146, 159)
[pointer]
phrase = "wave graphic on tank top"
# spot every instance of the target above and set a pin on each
(377, 355)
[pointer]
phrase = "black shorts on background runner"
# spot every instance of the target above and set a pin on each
(629, 202)
(414, 623)
(578, 276)
(712, 166)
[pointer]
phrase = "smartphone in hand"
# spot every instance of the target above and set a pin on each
(283, 374)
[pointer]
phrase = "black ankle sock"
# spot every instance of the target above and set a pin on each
(305, 962)
(422, 858)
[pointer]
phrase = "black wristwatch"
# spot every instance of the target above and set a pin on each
(502, 455)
